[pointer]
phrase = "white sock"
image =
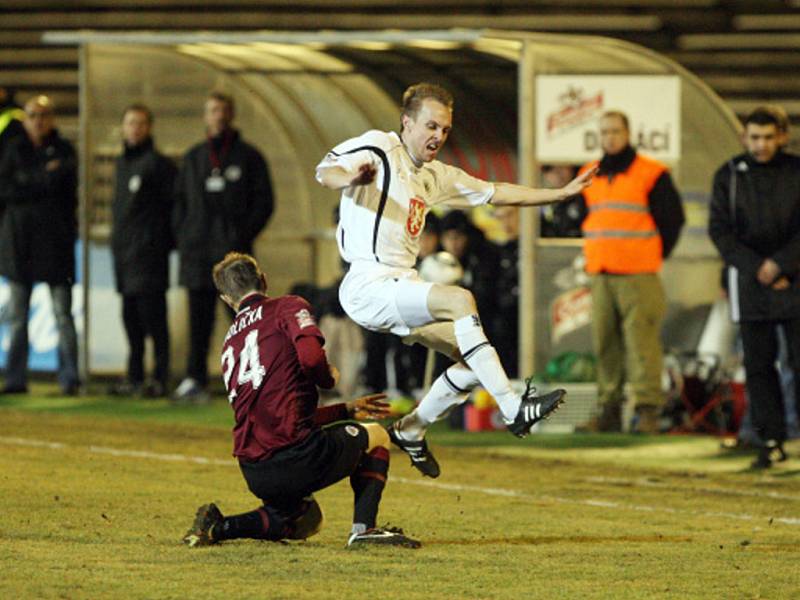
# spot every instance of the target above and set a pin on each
(450, 389)
(482, 358)
(358, 528)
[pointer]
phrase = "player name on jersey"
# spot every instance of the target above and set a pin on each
(242, 321)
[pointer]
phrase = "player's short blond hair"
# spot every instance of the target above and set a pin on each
(416, 94)
(237, 275)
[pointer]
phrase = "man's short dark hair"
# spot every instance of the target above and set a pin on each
(140, 108)
(222, 97)
(762, 116)
(456, 220)
(433, 224)
(238, 274)
(416, 94)
(780, 114)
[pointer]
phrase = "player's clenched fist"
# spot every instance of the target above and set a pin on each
(366, 175)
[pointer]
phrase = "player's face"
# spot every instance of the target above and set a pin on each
(428, 243)
(762, 141)
(614, 136)
(218, 116)
(425, 135)
(39, 120)
(135, 127)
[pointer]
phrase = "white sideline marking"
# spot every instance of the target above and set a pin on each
(201, 460)
(452, 487)
(15, 441)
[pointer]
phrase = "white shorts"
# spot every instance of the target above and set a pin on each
(387, 299)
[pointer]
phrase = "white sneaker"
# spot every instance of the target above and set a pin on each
(187, 388)
(382, 536)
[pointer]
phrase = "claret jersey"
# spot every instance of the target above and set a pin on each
(382, 222)
(274, 401)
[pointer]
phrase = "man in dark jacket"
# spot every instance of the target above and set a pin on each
(140, 242)
(223, 201)
(38, 181)
(755, 223)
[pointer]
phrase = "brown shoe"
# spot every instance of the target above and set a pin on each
(608, 421)
(648, 419)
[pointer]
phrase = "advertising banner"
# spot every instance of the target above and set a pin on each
(569, 108)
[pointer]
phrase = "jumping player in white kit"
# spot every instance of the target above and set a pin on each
(389, 182)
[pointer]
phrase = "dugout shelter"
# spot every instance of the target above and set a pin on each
(300, 93)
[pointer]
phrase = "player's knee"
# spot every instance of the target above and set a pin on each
(463, 303)
(378, 436)
(451, 302)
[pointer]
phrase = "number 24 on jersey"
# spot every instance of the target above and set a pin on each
(250, 368)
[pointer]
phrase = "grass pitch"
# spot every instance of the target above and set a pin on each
(98, 492)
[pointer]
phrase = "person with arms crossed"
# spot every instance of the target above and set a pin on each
(272, 361)
(389, 182)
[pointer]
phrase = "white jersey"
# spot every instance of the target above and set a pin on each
(382, 222)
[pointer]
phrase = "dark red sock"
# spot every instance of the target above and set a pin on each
(368, 481)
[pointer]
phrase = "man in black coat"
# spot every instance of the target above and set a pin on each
(140, 242)
(755, 223)
(223, 200)
(38, 182)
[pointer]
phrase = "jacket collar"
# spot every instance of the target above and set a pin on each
(613, 164)
(747, 161)
(139, 149)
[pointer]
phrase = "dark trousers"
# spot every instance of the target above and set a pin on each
(408, 363)
(146, 315)
(202, 314)
(760, 345)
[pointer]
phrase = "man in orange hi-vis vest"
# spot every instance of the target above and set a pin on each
(634, 218)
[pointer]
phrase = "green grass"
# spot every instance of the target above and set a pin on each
(555, 516)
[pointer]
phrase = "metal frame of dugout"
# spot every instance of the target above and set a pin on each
(299, 93)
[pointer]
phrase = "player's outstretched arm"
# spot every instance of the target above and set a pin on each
(510, 194)
(373, 406)
(336, 178)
